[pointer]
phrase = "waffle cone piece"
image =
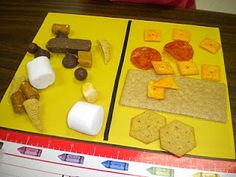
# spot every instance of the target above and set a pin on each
(32, 109)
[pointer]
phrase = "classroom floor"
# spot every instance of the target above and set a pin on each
(225, 6)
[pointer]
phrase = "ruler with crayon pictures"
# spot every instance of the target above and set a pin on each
(26, 155)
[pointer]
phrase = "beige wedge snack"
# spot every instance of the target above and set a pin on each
(33, 111)
(106, 49)
(16, 83)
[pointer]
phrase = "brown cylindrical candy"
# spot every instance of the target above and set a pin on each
(29, 91)
(61, 29)
(17, 100)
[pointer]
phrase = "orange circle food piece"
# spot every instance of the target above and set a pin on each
(180, 50)
(141, 57)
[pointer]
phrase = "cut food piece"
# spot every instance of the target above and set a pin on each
(32, 109)
(166, 82)
(152, 35)
(179, 34)
(179, 50)
(211, 72)
(162, 67)
(142, 57)
(187, 68)
(89, 92)
(85, 58)
(16, 83)
(106, 49)
(177, 138)
(155, 92)
(145, 126)
(210, 45)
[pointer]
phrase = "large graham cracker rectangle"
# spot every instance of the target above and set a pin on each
(196, 98)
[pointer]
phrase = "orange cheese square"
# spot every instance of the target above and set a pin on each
(210, 45)
(166, 82)
(152, 35)
(187, 68)
(155, 92)
(162, 67)
(180, 34)
(210, 72)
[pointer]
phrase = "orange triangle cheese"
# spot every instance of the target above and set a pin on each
(166, 82)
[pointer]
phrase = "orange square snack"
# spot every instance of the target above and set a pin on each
(166, 82)
(210, 72)
(179, 34)
(152, 35)
(187, 68)
(210, 45)
(162, 67)
(155, 92)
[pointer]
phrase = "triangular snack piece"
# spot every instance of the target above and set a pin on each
(32, 109)
(106, 49)
(166, 82)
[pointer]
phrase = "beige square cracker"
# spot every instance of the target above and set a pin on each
(145, 126)
(162, 67)
(177, 138)
(180, 34)
(210, 45)
(187, 68)
(152, 35)
(211, 72)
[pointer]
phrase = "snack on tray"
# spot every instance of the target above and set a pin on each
(180, 34)
(155, 92)
(210, 45)
(187, 68)
(58, 29)
(16, 83)
(145, 126)
(89, 92)
(32, 109)
(106, 49)
(85, 58)
(17, 100)
(166, 82)
(29, 91)
(152, 35)
(211, 72)
(142, 57)
(179, 50)
(177, 138)
(162, 67)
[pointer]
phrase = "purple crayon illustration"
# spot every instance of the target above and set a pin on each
(72, 158)
(30, 151)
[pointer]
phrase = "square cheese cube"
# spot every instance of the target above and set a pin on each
(85, 58)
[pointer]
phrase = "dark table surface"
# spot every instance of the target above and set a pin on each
(20, 21)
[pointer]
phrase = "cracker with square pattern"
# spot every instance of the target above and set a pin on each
(145, 126)
(162, 67)
(210, 72)
(152, 35)
(210, 45)
(177, 138)
(187, 68)
(180, 34)
(155, 92)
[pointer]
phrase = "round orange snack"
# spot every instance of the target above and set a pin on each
(141, 57)
(180, 50)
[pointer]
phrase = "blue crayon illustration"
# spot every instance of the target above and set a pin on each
(116, 165)
(30, 151)
(72, 158)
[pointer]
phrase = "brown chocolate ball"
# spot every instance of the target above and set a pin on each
(42, 52)
(33, 48)
(80, 74)
(70, 61)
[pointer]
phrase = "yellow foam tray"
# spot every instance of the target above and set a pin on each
(213, 139)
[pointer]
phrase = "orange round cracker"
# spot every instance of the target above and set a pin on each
(141, 57)
(180, 50)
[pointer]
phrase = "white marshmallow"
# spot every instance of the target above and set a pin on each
(86, 118)
(40, 72)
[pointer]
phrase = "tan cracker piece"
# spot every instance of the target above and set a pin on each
(16, 83)
(210, 72)
(162, 67)
(187, 68)
(197, 98)
(152, 35)
(145, 126)
(180, 34)
(106, 49)
(210, 45)
(177, 138)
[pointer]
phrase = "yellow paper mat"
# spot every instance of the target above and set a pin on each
(213, 139)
